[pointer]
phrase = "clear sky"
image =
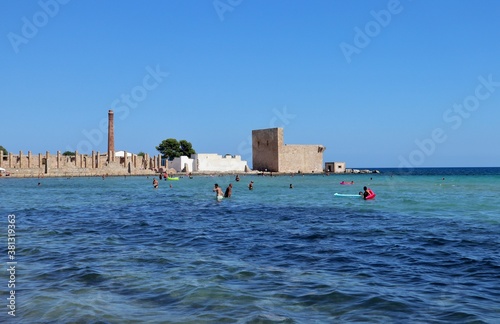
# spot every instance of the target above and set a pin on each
(379, 83)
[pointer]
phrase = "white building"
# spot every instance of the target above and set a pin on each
(207, 162)
(122, 154)
(336, 167)
(181, 164)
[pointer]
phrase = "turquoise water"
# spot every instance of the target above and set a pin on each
(425, 250)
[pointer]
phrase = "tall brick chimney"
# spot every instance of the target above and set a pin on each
(111, 137)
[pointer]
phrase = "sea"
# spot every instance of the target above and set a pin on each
(116, 250)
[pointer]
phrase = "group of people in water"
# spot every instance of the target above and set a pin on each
(367, 193)
(219, 194)
(229, 190)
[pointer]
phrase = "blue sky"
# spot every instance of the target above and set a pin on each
(379, 83)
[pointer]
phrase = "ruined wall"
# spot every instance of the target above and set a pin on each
(266, 144)
(81, 164)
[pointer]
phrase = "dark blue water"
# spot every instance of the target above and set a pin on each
(426, 250)
(444, 171)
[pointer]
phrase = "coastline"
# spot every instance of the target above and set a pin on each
(68, 173)
(29, 173)
(121, 172)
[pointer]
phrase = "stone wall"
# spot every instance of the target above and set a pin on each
(218, 163)
(301, 158)
(266, 144)
(80, 164)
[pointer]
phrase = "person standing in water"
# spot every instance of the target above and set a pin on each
(229, 191)
(218, 192)
(250, 185)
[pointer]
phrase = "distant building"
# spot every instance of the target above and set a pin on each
(77, 164)
(122, 154)
(335, 167)
(181, 164)
(269, 153)
(207, 162)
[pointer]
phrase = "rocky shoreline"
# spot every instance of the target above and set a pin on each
(120, 172)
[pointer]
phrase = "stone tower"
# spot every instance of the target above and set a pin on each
(266, 145)
(270, 153)
(111, 136)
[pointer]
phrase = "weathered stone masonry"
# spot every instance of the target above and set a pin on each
(77, 165)
(270, 153)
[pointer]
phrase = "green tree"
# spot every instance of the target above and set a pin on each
(4, 150)
(186, 148)
(69, 153)
(141, 154)
(171, 148)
